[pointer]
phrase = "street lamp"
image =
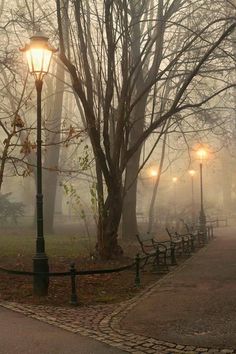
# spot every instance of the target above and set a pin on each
(192, 174)
(39, 54)
(153, 173)
(174, 179)
(202, 155)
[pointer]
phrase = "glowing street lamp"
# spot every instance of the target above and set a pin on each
(39, 54)
(174, 179)
(153, 172)
(202, 155)
(192, 174)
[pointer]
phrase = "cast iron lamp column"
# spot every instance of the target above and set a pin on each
(154, 176)
(192, 174)
(39, 54)
(175, 180)
(202, 154)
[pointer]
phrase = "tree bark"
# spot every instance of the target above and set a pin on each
(157, 181)
(51, 163)
(109, 220)
(129, 219)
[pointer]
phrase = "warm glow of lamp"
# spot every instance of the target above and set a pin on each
(174, 179)
(153, 173)
(192, 172)
(39, 54)
(202, 154)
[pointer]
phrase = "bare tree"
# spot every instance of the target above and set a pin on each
(114, 84)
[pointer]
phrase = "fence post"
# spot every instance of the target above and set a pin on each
(137, 271)
(172, 254)
(73, 299)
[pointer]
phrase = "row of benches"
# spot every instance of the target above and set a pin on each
(164, 253)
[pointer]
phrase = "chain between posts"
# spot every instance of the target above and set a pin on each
(73, 273)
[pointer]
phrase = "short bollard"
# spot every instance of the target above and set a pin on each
(137, 271)
(73, 299)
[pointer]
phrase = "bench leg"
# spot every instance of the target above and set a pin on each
(157, 264)
(192, 245)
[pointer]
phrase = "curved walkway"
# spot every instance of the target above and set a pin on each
(191, 310)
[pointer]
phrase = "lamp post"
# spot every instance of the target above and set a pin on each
(202, 155)
(39, 54)
(154, 176)
(192, 174)
(174, 180)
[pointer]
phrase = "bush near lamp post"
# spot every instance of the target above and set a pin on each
(10, 211)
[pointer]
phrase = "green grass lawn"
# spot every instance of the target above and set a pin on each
(55, 245)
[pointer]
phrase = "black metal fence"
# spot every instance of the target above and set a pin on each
(73, 274)
(218, 222)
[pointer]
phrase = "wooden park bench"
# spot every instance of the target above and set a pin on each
(197, 237)
(160, 252)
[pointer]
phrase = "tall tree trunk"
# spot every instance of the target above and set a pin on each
(157, 181)
(109, 220)
(129, 219)
(227, 180)
(51, 163)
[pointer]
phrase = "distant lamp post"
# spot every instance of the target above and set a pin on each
(39, 54)
(153, 174)
(202, 155)
(192, 174)
(175, 180)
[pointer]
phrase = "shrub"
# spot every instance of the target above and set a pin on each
(10, 211)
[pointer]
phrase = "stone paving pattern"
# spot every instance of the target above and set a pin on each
(103, 323)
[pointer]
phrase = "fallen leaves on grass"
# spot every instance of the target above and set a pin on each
(91, 289)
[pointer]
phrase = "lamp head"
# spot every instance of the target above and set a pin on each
(39, 54)
(192, 172)
(153, 173)
(202, 154)
(174, 179)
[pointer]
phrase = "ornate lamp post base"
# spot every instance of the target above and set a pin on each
(41, 281)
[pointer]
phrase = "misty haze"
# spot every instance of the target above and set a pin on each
(117, 176)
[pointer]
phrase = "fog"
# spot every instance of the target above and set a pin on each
(146, 97)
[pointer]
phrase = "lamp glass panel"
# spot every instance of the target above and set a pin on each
(202, 154)
(38, 60)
